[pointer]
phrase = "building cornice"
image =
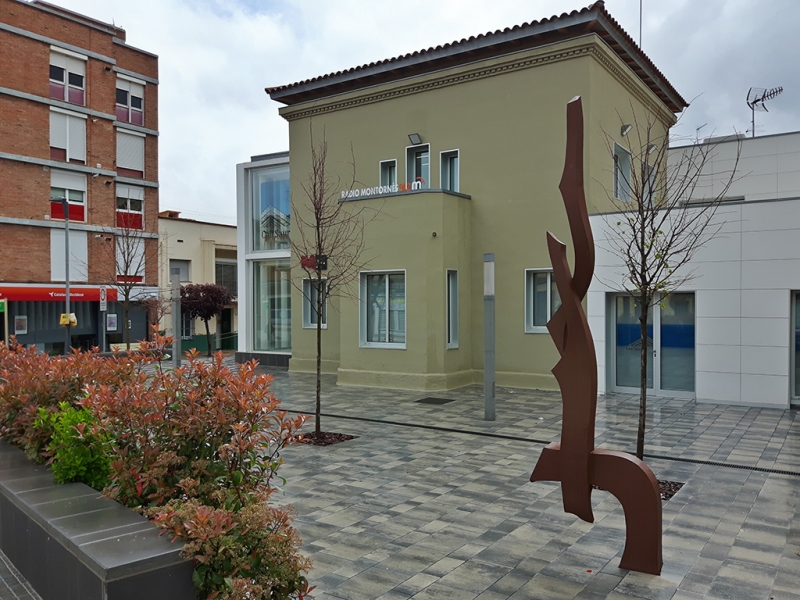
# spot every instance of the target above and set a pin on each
(54, 164)
(135, 75)
(55, 42)
(57, 104)
(73, 226)
(139, 182)
(136, 128)
(590, 45)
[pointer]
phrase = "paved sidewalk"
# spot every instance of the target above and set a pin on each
(431, 501)
(407, 511)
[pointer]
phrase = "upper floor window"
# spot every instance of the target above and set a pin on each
(622, 173)
(65, 185)
(67, 136)
(541, 299)
(68, 77)
(418, 166)
(182, 268)
(449, 170)
(271, 212)
(226, 275)
(130, 100)
(130, 207)
(388, 172)
(130, 154)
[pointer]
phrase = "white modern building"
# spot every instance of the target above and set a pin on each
(264, 276)
(732, 335)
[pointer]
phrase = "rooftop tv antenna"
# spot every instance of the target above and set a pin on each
(755, 100)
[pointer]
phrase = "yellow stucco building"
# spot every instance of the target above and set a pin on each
(459, 149)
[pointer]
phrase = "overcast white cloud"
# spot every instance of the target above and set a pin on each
(217, 56)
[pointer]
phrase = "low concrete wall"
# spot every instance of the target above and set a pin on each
(71, 543)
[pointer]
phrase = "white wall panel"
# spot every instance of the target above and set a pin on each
(718, 331)
(717, 303)
(766, 303)
(765, 332)
(718, 359)
(718, 387)
(765, 360)
(771, 390)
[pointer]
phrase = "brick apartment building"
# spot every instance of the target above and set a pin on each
(78, 128)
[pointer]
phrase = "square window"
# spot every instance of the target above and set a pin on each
(449, 170)
(67, 78)
(541, 300)
(57, 73)
(383, 310)
(130, 102)
(130, 206)
(122, 97)
(311, 289)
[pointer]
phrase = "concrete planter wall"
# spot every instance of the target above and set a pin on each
(71, 543)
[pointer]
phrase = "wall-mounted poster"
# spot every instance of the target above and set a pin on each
(20, 324)
(111, 322)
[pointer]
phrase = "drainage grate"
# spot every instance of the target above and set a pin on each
(438, 401)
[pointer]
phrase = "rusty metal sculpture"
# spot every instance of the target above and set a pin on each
(575, 462)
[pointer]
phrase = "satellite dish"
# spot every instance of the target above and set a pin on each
(755, 100)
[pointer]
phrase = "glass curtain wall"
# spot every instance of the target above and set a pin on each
(677, 342)
(797, 344)
(271, 213)
(272, 308)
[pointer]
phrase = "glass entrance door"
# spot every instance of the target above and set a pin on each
(669, 340)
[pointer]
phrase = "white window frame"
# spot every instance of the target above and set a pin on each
(187, 320)
(69, 181)
(529, 299)
(74, 134)
(138, 160)
(179, 263)
(392, 162)
(308, 307)
(411, 174)
(451, 304)
(72, 63)
(133, 88)
(444, 170)
(130, 192)
(364, 310)
(622, 162)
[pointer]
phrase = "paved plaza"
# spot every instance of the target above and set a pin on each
(432, 502)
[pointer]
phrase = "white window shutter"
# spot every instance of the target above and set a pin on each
(137, 90)
(77, 139)
(130, 151)
(59, 60)
(67, 180)
(77, 66)
(58, 130)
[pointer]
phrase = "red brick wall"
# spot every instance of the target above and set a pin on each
(25, 130)
(24, 254)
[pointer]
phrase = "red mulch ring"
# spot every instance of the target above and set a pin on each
(668, 488)
(325, 438)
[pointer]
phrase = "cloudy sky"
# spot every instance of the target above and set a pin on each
(217, 56)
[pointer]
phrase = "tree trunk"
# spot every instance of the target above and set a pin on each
(320, 300)
(642, 378)
(208, 337)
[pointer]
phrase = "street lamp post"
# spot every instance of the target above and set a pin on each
(68, 337)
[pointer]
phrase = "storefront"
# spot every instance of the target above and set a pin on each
(32, 313)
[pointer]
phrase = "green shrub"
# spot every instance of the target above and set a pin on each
(78, 452)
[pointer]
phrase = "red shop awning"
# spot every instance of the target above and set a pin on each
(18, 293)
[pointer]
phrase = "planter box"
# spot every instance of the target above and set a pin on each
(71, 543)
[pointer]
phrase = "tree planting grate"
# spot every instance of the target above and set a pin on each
(438, 401)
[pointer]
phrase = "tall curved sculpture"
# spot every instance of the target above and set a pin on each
(575, 462)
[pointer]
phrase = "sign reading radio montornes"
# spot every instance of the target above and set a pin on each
(103, 299)
(379, 190)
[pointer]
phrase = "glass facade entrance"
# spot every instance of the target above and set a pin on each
(272, 308)
(670, 343)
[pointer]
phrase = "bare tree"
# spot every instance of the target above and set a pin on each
(129, 250)
(328, 241)
(666, 210)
